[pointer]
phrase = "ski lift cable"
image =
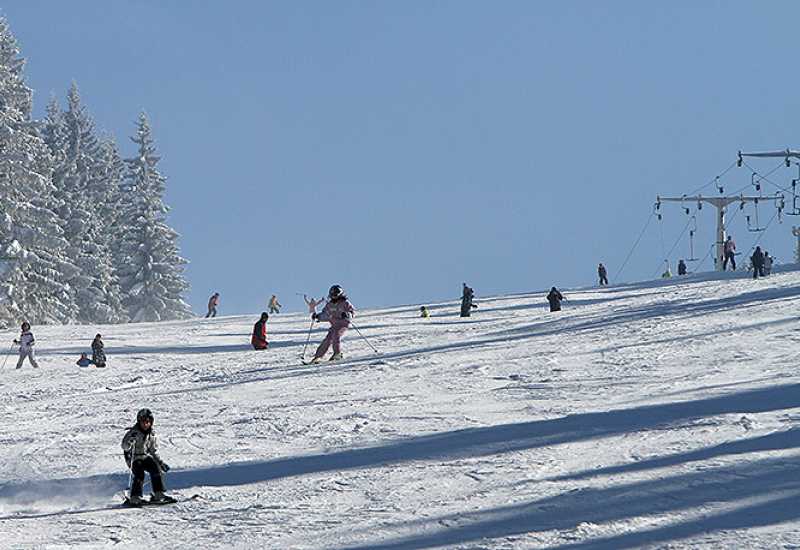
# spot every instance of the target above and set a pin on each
(708, 254)
(715, 178)
(628, 257)
(761, 236)
(765, 177)
(675, 245)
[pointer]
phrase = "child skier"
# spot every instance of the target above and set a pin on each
(98, 355)
(26, 342)
(259, 338)
(424, 313)
(274, 305)
(555, 298)
(338, 312)
(141, 455)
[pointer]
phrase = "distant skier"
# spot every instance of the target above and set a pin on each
(423, 312)
(555, 298)
(274, 305)
(313, 303)
(259, 339)
(667, 272)
(338, 312)
(140, 449)
(26, 342)
(213, 302)
(729, 252)
(98, 353)
(602, 273)
(767, 263)
(681, 267)
(83, 361)
(758, 263)
(467, 295)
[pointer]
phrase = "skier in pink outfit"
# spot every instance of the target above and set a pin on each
(338, 312)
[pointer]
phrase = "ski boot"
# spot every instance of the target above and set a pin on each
(337, 357)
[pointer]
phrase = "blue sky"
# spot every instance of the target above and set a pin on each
(401, 148)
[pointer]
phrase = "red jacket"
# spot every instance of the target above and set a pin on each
(259, 339)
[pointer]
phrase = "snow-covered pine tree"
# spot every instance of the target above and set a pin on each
(32, 246)
(152, 276)
(78, 178)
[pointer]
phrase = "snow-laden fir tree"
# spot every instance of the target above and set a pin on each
(35, 268)
(81, 187)
(152, 276)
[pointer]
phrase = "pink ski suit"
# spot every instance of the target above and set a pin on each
(338, 314)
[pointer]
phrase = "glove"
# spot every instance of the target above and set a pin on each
(345, 315)
(128, 458)
(164, 466)
(16, 341)
(314, 316)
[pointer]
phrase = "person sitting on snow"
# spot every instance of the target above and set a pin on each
(338, 312)
(424, 313)
(259, 339)
(140, 449)
(83, 361)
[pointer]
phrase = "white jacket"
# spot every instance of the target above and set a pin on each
(139, 445)
(26, 342)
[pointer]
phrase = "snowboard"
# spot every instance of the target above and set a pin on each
(167, 500)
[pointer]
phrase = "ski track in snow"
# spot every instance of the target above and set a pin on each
(650, 415)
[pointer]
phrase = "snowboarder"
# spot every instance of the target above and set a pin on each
(213, 302)
(274, 305)
(424, 313)
(681, 267)
(602, 273)
(555, 297)
(259, 339)
(338, 312)
(83, 361)
(729, 252)
(98, 355)
(758, 263)
(26, 342)
(140, 449)
(767, 263)
(312, 304)
(467, 295)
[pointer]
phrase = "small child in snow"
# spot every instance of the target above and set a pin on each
(424, 313)
(338, 312)
(83, 361)
(26, 342)
(140, 449)
(259, 338)
(98, 355)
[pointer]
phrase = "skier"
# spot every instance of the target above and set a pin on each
(758, 263)
(555, 297)
(83, 361)
(213, 302)
(274, 305)
(424, 313)
(729, 251)
(141, 455)
(259, 339)
(667, 272)
(312, 304)
(338, 312)
(26, 342)
(98, 355)
(467, 295)
(681, 267)
(767, 263)
(602, 274)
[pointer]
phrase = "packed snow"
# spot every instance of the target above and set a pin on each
(644, 415)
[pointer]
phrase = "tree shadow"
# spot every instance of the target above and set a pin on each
(452, 445)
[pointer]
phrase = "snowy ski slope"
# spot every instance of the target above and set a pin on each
(650, 415)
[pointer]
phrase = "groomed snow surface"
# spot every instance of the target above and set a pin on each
(654, 415)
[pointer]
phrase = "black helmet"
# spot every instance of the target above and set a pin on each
(335, 292)
(144, 414)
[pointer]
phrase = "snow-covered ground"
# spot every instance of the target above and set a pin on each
(651, 415)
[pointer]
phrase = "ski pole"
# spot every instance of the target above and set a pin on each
(364, 337)
(7, 356)
(308, 339)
